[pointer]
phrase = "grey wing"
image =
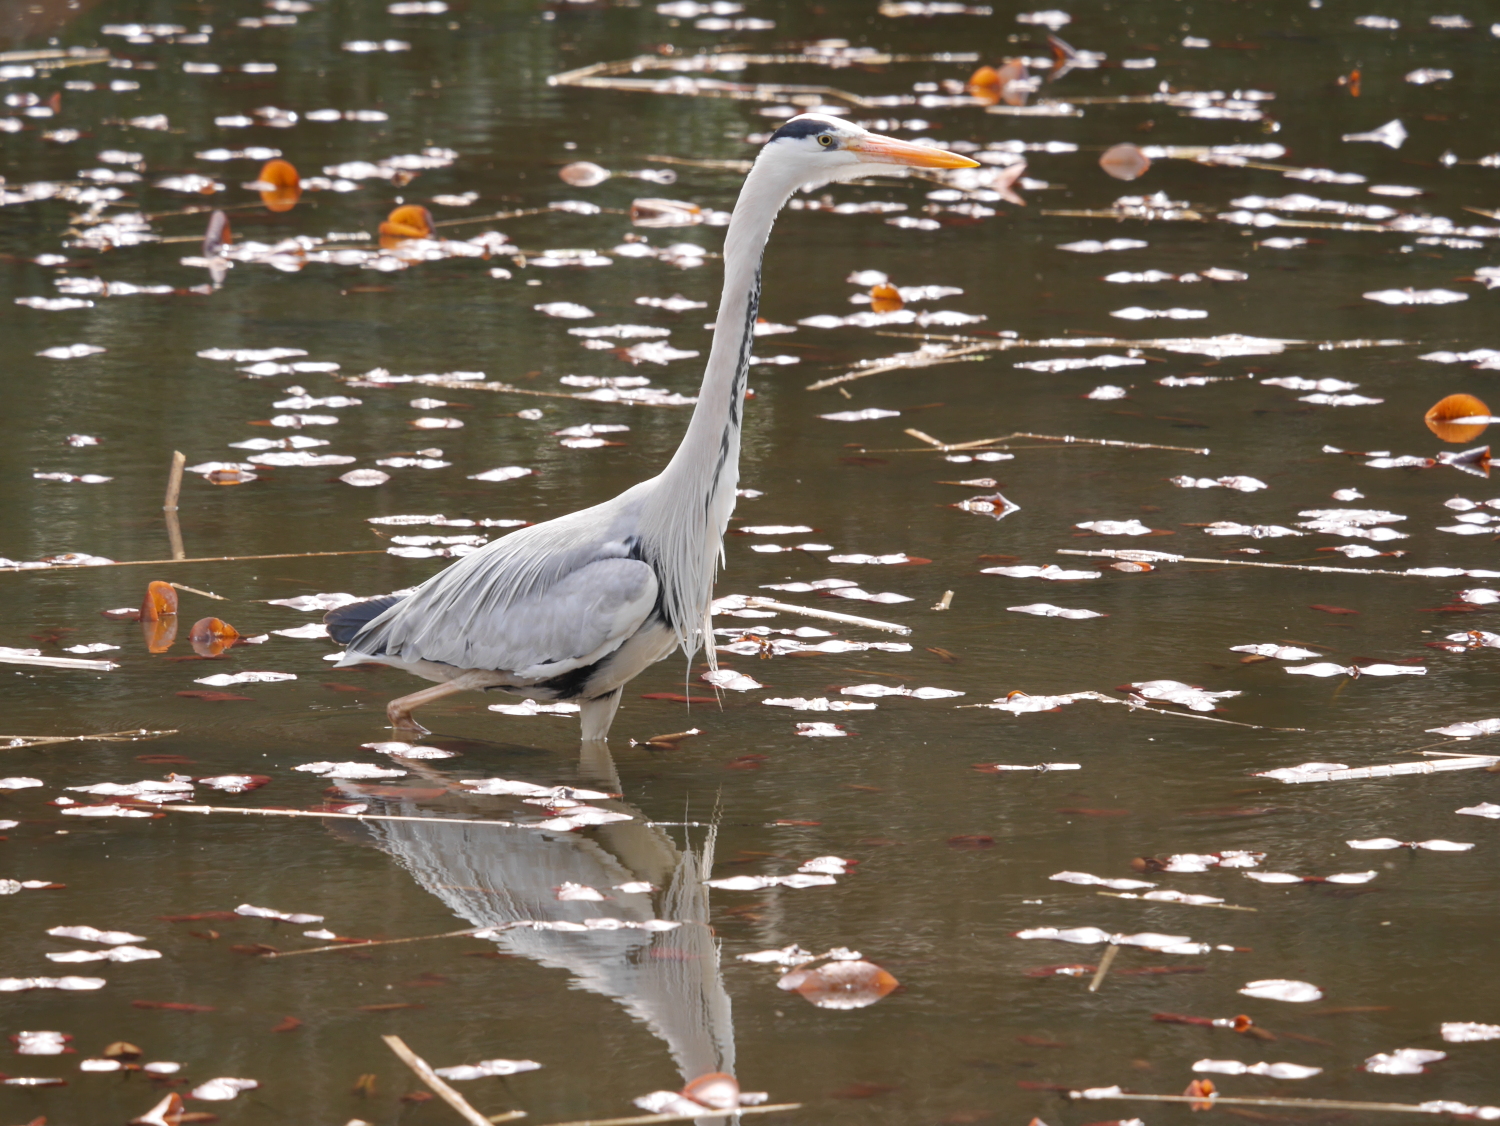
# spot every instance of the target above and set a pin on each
(579, 619)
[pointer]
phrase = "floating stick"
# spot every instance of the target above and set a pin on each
(1105, 962)
(1134, 556)
(1465, 762)
(827, 615)
(443, 1091)
(16, 657)
(15, 741)
(1180, 903)
(1228, 1100)
(373, 942)
(340, 816)
(195, 590)
(506, 388)
(1101, 698)
(199, 559)
(644, 1119)
(169, 506)
(1066, 439)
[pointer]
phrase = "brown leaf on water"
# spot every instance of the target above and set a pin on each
(418, 1097)
(335, 686)
(746, 762)
(122, 1050)
(716, 1090)
(211, 636)
(254, 948)
(1350, 82)
(678, 698)
(160, 601)
(172, 1006)
(390, 1006)
(971, 841)
(212, 697)
(230, 477)
(863, 1091)
(885, 298)
(1441, 418)
(283, 185)
(943, 655)
(1064, 969)
(1125, 162)
(159, 634)
(1331, 609)
(408, 221)
(1197, 1088)
(840, 985)
(364, 1086)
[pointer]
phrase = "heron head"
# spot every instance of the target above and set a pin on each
(816, 149)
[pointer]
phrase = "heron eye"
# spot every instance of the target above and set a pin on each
(825, 140)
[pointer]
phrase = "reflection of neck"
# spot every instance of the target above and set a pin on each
(690, 502)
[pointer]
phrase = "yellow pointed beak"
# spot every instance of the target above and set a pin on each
(875, 149)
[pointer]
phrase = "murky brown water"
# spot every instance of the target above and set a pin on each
(970, 1036)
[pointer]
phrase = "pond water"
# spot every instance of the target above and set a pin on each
(951, 861)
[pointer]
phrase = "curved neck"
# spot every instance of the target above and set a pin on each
(688, 505)
(717, 416)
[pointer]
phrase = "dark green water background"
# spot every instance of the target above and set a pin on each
(1415, 945)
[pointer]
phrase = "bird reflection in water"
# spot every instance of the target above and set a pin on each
(668, 980)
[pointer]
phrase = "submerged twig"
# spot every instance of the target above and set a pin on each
(644, 1119)
(199, 559)
(443, 1091)
(827, 615)
(1138, 556)
(1110, 953)
(17, 741)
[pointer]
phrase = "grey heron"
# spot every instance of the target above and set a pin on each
(576, 607)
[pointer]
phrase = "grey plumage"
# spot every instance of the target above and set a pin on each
(574, 608)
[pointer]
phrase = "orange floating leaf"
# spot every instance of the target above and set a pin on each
(160, 634)
(1125, 162)
(284, 186)
(841, 985)
(885, 298)
(716, 1090)
(1441, 418)
(211, 636)
(161, 600)
(1203, 1088)
(409, 221)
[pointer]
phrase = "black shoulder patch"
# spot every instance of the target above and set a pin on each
(802, 127)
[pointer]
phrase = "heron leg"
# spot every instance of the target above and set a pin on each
(596, 715)
(399, 711)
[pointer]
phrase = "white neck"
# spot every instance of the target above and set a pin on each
(690, 502)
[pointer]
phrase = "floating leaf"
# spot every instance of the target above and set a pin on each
(280, 189)
(1449, 418)
(1283, 989)
(160, 601)
(841, 984)
(1125, 162)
